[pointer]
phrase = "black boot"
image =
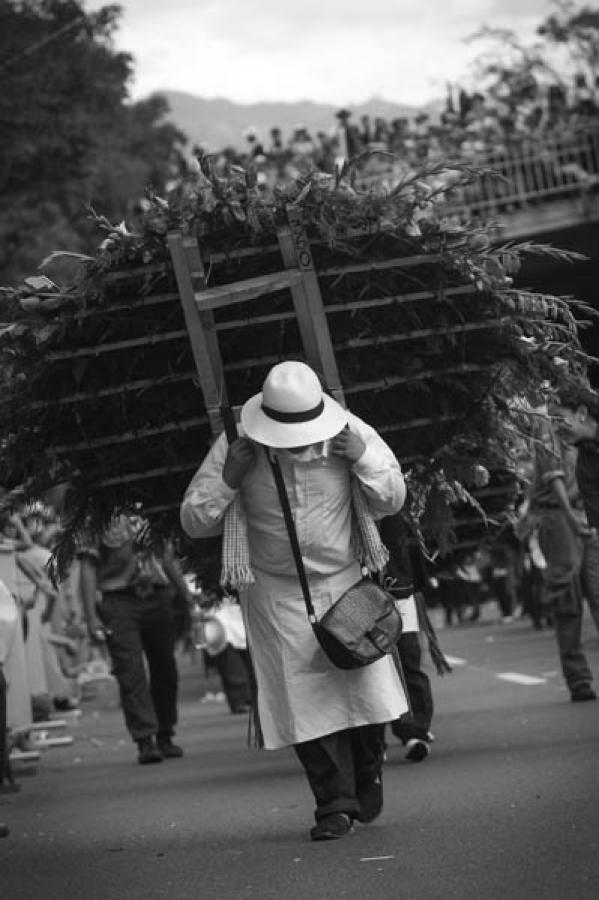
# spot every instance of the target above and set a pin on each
(167, 748)
(147, 751)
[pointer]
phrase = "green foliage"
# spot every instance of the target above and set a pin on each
(514, 69)
(433, 353)
(69, 135)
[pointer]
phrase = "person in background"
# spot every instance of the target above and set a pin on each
(469, 583)
(33, 591)
(225, 644)
(125, 591)
(333, 718)
(503, 575)
(555, 504)
(413, 728)
(577, 412)
(450, 594)
(12, 640)
(41, 526)
(536, 604)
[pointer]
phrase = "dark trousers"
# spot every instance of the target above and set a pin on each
(590, 576)
(233, 667)
(139, 627)
(417, 722)
(4, 763)
(338, 764)
(563, 553)
(503, 595)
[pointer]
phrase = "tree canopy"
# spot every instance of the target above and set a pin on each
(71, 138)
(564, 56)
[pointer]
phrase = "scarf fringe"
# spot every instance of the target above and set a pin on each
(236, 576)
(366, 539)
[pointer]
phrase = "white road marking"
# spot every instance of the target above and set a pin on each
(455, 660)
(517, 678)
(374, 858)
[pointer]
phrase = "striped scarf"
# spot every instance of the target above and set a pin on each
(236, 570)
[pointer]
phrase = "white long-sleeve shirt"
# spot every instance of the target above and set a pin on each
(301, 694)
(319, 495)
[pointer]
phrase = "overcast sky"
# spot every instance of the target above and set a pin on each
(336, 51)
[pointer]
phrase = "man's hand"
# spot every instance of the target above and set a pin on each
(96, 632)
(349, 445)
(580, 528)
(241, 456)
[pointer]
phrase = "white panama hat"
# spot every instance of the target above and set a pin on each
(292, 410)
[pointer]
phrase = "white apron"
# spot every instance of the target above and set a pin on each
(301, 694)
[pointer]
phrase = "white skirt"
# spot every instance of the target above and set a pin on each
(301, 694)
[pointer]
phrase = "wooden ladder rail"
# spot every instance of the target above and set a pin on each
(198, 302)
(308, 305)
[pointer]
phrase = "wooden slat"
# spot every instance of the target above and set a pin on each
(399, 262)
(399, 299)
(257, 321)
(111, 346)
(164, 507)
(395, 380)
(110, 308)
(142, 384)
(417, 423)
(308, 305)
(149, 473)
(213, 257)
(189, 467)
(249, 289)
(239, 365)
(147, 269)
(355, 343)
(189, 273)
(137, 435)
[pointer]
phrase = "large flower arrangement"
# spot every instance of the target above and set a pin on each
(440, 352)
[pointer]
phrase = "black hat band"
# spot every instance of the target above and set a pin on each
(290, 418)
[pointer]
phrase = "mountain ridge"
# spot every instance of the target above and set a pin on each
(215, 123)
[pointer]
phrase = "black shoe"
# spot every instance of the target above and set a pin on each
(167, 748)
(337, 825)
(370, 798)
(4, 830)
(65, 704)
(417, 750)
(582, 693)
(148, 752)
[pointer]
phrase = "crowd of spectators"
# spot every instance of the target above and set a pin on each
(473, 127)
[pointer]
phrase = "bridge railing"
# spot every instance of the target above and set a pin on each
(528, 175)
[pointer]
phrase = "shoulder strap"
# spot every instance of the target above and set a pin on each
(291, 531)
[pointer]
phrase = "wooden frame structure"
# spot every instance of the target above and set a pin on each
(199, 302)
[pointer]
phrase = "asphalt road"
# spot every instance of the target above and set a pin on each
(506, 805)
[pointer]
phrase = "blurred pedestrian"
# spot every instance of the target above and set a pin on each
(126, 595)
(413, 728)
(469, 583)
(225, 644)
(578, 416)
(555, 503)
